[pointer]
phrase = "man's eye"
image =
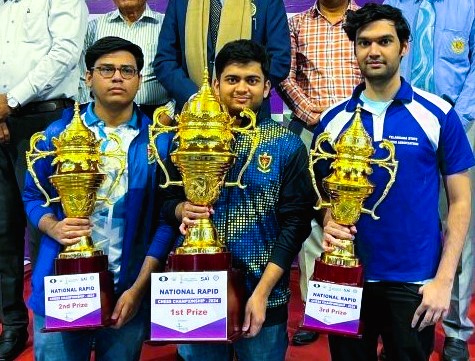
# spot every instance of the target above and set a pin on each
(107, 69)
(127, 70)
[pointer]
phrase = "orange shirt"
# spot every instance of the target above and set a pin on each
(323, 67)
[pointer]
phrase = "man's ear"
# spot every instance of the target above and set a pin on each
(216, 88)
(140, 80)
(404, 48)
(267, 87)
(88, 78)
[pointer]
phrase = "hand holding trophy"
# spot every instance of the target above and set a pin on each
(77, 178)
(347, 187)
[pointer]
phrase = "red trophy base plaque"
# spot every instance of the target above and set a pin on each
(235, 289)
(95, 264)
(333, 298)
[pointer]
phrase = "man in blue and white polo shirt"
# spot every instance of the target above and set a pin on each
(123, 228)
(409, 269)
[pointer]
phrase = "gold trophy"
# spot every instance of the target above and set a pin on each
(348, 187)
(77, 178)
(205, 137)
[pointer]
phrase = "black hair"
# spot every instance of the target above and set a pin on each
(110, 44)
(242, 52)
(374, 12)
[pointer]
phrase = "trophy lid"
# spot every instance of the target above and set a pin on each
(355, 140)
(77, 145)
(204, 101)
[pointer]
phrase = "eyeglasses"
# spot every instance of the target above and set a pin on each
(126, 71)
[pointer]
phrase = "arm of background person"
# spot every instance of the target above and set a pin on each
(290, 90)
(84, 95)
(167, 63)
(278, 42)
(67, 26)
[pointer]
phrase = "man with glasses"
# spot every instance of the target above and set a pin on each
(135, 21)
(121, 228)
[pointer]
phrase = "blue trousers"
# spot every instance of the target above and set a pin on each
(269, 344)
(124, 344)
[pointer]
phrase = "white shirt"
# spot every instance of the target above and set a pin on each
(144, 33)
(40, 45)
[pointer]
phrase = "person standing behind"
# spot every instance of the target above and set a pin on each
(451, 26)
(135, 21)
(323, 71)
(408, 270)
(187, 43)
(40, 45)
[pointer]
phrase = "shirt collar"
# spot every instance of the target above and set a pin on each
(404, 95)
(316, 12)
(91, 119)
(147, 14)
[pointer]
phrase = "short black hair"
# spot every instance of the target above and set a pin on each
(110, 44)
(242, 51)
(374, 12)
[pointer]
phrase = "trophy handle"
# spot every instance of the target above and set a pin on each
(317, 154)
(391, 164)
(34, 154)
(253, 133)
(154, 131)
(118, 154)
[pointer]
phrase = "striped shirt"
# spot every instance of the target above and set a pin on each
(323, 67)
(144, 33)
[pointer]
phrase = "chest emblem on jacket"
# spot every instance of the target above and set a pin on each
(264, 163)
(458, 45)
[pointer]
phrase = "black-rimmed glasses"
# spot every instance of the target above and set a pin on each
(106, 71)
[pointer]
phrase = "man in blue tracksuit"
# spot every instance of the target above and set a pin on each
(122, 229)
(454, 80)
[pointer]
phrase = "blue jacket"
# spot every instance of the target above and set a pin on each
(141, 203)
(269, 27)
(454, 51)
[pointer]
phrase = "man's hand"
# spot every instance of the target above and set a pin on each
(255, 315)
(4, 113)
(165, 119)
(333, 232)
(189, 213)
(126, 308)
(435, 303)
(68, 231)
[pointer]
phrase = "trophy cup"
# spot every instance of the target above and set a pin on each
(77, 178)
(205, 136)
(348, 187)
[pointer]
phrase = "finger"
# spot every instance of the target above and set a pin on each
(183, 228)
(247, 321)
(332, 241)
(417, 315)
(427, 320)
(4, 133)
(338, 231)
(77, 221)
(116, 315)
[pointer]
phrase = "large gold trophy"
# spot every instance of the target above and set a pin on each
(77, 178)
(205, 138)
(347, 187)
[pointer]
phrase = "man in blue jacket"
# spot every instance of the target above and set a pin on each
(452, 78)
(187, 43)
(122, 229)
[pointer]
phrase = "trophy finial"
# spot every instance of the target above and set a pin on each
(203, 102)
(355, 140)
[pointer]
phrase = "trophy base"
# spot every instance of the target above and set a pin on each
(97, 264)
(319, 318)
(235, 290)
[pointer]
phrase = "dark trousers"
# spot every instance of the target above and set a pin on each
(14, 314)
(387, 311)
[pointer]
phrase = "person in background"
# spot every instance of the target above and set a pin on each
(443, 36)
(135, 21)
(187, 44)
(40, 45)
(409, 272)
(323, 71)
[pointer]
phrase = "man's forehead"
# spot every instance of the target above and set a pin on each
(121, 57)
(378, 28)
(252, 68)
